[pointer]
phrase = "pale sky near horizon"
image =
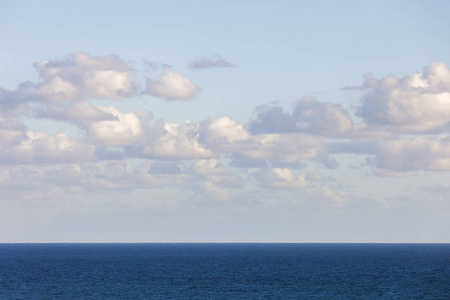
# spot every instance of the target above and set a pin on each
(224, 121)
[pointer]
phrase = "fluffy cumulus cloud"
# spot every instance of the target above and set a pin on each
(84, 76)
(214, 62)
(164, 140)
(416, 103)
(123, 129)
(325, 119)
(401, 117)
(172, 86)
(227, 135)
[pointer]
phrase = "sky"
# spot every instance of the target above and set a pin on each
(224, 121)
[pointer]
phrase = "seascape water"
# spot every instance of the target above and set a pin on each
(224, 271)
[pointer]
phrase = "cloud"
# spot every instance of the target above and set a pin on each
(165, 140)
(219, 132)
(227, 135)
(246, 163)
(166, 168)
(405, 155)
(272, 120)
(308, 116)
(282, 178)
(124, 129)
(36, 148)
(400, 156)
(11, 132)
(416, 103)
(82, 76)
(313, 184)
(152, 66)
(351, 88)
(211, 170)
(14, 103)
(78, 112)
(326, 119)
(216, 157)
(204, 180)
(97, 177)
(172, 86)
(214, 62)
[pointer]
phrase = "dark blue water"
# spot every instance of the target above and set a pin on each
(224, 271)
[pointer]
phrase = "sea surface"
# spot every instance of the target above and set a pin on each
(224, 271)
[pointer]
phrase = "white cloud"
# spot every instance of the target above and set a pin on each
(282, 178)
(199, 157)
(416, 103)
(205, 178)
(207, 167)
(83, 76)
(208, 191)
(214, 62)
(401, 156)
(223, 130)
(313, 184)
(37, 147)
(125, 129)
(172, 86)
(166, 140)
(94, 177)
(57, 89)
(211, 170)
(227, 135)
(287, 147)
(325, 119)
(406, 155)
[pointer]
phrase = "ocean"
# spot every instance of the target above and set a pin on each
(224, 271)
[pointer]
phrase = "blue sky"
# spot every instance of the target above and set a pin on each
(221, 121)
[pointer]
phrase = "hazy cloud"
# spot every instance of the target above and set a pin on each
(36, 148)
(214, 62)
(14, 103)
(78, 112)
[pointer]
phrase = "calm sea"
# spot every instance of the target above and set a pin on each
(225, 271)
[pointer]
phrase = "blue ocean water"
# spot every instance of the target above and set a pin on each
(224, 271)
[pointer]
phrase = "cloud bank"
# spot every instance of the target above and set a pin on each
(400, 127)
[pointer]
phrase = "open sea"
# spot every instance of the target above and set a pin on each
(224, 271)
